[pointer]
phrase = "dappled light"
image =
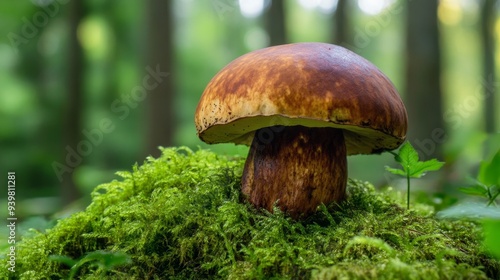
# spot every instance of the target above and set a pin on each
(450, 12)
(326, 6)
(95, 36)
(374, 7)
(251, 8)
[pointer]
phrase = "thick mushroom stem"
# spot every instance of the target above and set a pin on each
(298, 169)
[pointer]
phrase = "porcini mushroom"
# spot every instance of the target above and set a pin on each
(302, 108)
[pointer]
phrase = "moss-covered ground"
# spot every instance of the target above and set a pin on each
(180, 217)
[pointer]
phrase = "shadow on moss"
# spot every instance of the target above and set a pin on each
(180, 217)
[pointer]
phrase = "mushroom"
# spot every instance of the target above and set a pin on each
(302, 108)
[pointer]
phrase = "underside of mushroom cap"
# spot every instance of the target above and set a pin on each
(307, 84)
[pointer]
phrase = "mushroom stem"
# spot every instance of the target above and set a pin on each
(298, 169)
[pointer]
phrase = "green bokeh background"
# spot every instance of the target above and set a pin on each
(32, 92)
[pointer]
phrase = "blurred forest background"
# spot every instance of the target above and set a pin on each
(92, 87)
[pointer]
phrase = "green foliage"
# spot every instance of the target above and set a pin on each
(487, 183)
(488, 173)
(412, 166)
(491, 241)
(181, 217)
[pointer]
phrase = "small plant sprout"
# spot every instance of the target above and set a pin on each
(408, 158)
(487, 183)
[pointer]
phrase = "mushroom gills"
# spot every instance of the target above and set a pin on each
(295, 167)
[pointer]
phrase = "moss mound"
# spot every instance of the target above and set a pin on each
(180, 217)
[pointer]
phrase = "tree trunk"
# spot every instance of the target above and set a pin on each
(275, 23)
(341, 23)
(73, 111)
(487, 34)
(423, 88)
(160, 96)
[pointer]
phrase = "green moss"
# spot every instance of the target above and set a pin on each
(180, 217)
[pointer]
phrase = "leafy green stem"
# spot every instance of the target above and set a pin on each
(408, 189)
(492, 198)
(487, 184)
(408, 158)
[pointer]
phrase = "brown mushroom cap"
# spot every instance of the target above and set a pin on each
(307, 84)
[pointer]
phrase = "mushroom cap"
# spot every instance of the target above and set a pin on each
(307, 84)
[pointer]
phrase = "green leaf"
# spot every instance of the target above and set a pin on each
(395, 171)
(421, 167)
(470, 210)
(478, 190)
(408, 156)
(489, 172)
(491, 241)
